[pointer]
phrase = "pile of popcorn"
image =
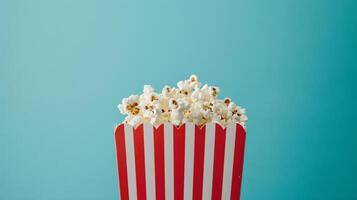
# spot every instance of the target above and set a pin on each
(189, 102)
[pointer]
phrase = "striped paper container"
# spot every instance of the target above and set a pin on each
(185, 162)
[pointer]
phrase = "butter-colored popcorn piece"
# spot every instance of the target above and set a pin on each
(134, 120)
(167, 91)
(202, 94)
(130, 105)
(184, 89)
(214, 91)
(177, 111)
(176, 116)
(173, 104)
(149, 95)
(227, 101)
(148, 89)
(193, 82)
(165, 115)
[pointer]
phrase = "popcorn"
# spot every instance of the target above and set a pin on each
(133, 120)
(167, 91)
(148, 89)
(193, 82)
(130, 105)
(189, 102)
(214, 91)
(201, 94)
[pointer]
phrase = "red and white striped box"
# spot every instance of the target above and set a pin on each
(185, 162)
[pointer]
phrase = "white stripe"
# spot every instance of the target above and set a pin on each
(228, 161)
(189, 151)
(130, 158)
(149, 161)
(169, 161)
(208, 161)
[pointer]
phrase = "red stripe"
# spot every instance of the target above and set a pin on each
(179, 161)
(159, 162)
(121, 159)
(199, 152)
(219, 146)
(238, 162)
(140, 162)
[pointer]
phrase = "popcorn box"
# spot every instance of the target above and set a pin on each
(180, 162)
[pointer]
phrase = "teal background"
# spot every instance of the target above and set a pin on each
(65, 65)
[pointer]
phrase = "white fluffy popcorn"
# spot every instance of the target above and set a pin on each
(189, 102)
